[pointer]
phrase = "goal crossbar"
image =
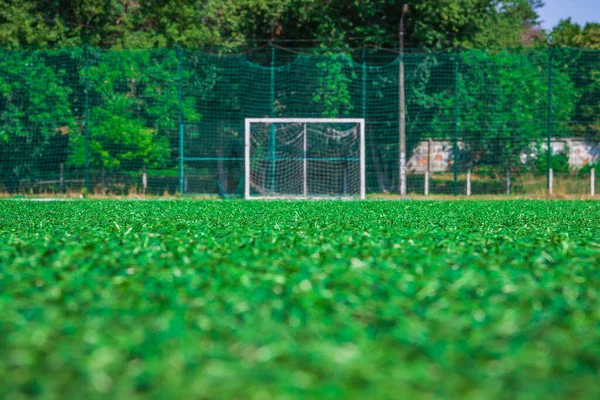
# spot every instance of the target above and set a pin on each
(305, 158)
(306, 120)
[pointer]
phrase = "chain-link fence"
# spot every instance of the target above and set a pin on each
(172, 120)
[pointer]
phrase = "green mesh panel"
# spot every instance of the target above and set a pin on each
(172, 120)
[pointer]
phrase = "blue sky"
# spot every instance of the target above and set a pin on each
(580, 11)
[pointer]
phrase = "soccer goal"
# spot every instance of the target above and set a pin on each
(304, 158)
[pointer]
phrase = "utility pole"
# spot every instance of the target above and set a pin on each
(402, 120)
(87, 118)
(179, 52)
(273, 133)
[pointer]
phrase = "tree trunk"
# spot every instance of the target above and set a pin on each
(377, 165)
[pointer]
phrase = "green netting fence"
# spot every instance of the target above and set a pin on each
(172, 120)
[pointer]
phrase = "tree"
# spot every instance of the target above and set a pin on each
(583, 66)
(503, 103)
(332, 89)
(569, 34)
(198, 23)
(36, 119)
(22, 24)
(134, 105)
(430, 24)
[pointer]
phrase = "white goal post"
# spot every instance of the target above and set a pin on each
(290, 158)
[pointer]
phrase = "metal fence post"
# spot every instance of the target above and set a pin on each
(456, 105)
(428, 169)
(272, 114)
(549, 122)
(144, 180)
(592, 182)
(180, 118)
(86, 117)
(364, 89)
(508, 174)
(469, 181)
(61, 178)
(364, 84)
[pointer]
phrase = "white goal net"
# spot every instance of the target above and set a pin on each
(304, 158)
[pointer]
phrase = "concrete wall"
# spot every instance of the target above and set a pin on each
(437, 155)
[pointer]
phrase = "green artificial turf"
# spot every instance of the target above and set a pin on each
(285, 300)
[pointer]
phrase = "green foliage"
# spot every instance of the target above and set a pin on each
(196, 23)
(187, 300)
(503, 103)
(119, 140)
(332, 93)
(583, 66)
(498, 101)
(35, 111)
(23, 24)
(585, 170)
(133, 99)
(570, 34)
(558, 162)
